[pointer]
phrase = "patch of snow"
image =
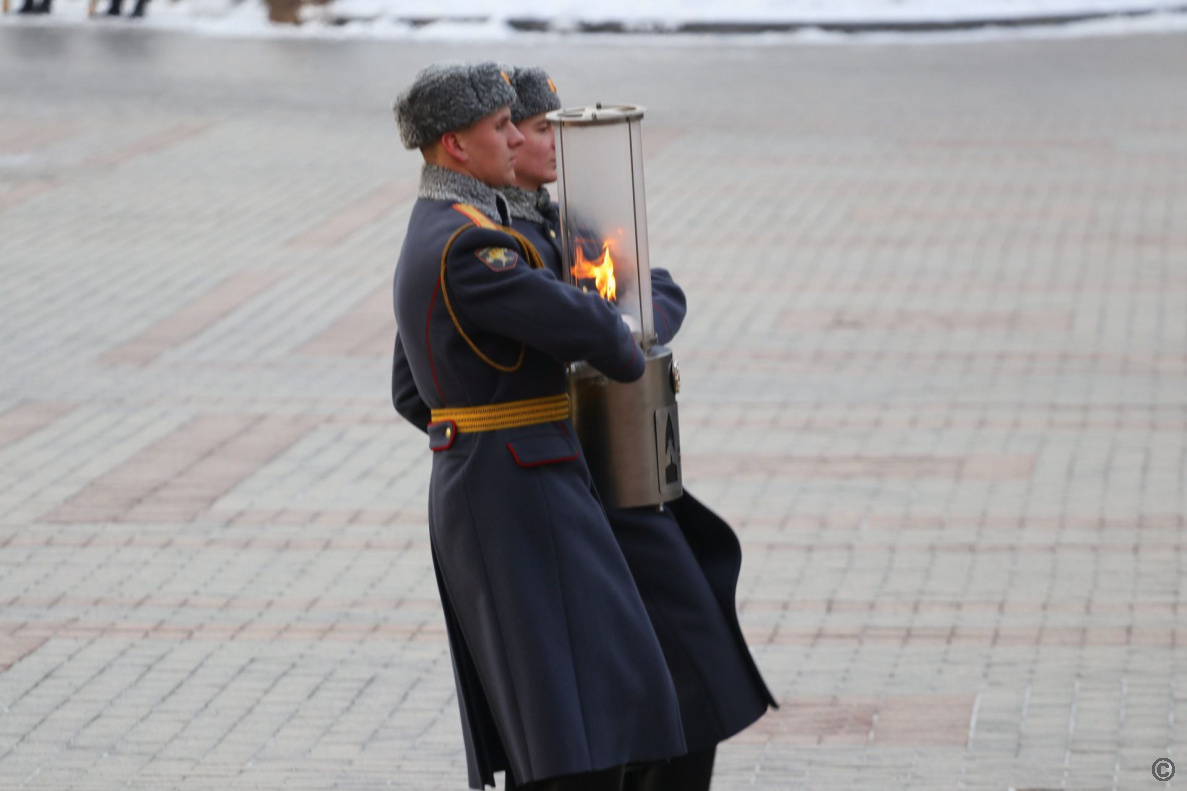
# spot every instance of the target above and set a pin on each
(486, 20)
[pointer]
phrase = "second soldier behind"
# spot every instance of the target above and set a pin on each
(685, 560)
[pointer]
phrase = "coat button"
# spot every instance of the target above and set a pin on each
(552, 233)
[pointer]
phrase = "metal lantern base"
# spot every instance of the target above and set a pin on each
(630, 432)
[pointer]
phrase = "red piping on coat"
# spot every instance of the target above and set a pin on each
(555, 460)
(662, 314)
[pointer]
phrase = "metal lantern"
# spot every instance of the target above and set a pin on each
(630, 432)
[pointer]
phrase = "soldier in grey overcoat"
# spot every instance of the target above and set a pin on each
(684, 558)
(561, 678)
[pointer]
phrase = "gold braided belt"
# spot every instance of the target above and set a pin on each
(509, 414)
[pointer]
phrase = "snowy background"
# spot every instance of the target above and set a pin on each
(507, 19)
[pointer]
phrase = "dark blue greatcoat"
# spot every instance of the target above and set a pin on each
(685, 561)
(558, 668)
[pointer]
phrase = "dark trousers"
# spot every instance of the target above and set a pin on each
(606, 780)
(116, 7)
(691, 772)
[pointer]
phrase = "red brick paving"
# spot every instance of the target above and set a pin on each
(899, 720)
(192, 319)
(935, 320)
(15, 648)
(21, 421)
(181, 475)
(358, 215)
(366, 330)
(150, 144)
(982, 466)
(15, 196)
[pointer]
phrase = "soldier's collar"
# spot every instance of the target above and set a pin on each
(438, 183)
(531, 205)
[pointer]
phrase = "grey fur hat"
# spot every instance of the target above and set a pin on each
(444, 97)
(536, 92)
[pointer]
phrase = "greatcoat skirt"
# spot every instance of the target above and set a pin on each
(685, 561)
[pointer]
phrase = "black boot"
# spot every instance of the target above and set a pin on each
(115, 7)
(28, 7)
(691, 772)
(606, 780)
(138, 11)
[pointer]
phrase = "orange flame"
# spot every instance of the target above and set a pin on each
(600, 271)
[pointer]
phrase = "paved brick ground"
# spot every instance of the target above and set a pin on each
(934, 373)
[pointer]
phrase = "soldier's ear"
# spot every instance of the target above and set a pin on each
(454, 147)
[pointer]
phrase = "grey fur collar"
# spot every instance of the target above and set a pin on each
(438, 183)
(528, 205)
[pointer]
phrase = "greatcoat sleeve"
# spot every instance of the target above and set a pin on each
(534, 308)
(405, 396)
(668, 305)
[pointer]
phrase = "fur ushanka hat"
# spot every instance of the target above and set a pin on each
(535, 91)
(448, 96)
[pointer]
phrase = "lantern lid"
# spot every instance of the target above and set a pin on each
(597, 114)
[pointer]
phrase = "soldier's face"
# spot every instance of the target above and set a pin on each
(535, 162)
(490, 145)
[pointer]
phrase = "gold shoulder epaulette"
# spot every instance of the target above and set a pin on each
(477, 217)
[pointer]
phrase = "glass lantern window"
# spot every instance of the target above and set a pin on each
(603, 214)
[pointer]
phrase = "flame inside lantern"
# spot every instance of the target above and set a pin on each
(601, 271)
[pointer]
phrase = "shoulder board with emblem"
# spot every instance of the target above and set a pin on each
(477, 217)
